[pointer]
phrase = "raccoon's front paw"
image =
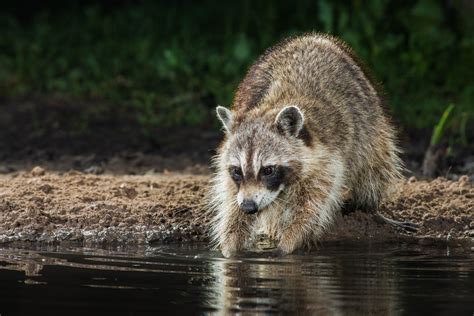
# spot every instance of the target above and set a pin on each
(228, 253)
(286, 245)
(231, 244)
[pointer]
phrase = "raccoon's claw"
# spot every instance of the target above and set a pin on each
(408, 226)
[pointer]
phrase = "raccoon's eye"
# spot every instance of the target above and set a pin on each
(236, 173)
(268, 171)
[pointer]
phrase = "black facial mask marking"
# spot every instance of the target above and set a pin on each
(236, 174)
(273, 181)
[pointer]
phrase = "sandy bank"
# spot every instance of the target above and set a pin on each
(47, 207)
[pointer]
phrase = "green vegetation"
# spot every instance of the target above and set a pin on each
(172, 62)
(439, 128)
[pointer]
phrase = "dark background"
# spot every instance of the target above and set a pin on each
(109, 77)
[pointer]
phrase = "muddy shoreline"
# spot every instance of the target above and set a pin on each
(74, 207)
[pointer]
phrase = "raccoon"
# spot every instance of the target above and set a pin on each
(307, 133)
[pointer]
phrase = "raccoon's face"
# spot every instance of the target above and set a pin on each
(255, 192)
(261, 158)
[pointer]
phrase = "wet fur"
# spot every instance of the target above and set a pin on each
(344, 153)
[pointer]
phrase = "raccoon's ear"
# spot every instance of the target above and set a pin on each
(225, 116)
(290, 120)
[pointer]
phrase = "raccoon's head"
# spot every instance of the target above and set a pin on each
(261, 156)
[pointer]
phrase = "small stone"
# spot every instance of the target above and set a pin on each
(73, 173)
(131, 193)
(468, 166)
(37, 171)
(151, 172)
(46, 188)
(94, 170)
(6, 169)
(463, 180)
(411, 179)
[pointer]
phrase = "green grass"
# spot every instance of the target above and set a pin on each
(440, 127)
(172, 62)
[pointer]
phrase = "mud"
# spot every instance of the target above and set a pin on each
(442, 209)
(50, 207)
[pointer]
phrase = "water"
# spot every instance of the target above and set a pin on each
(343, 280)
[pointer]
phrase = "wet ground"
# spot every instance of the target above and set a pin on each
(354, 280)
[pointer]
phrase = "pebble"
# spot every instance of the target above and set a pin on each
(46, 188)
(94, 170)
(464, 180)
(468, 167)
(151, 172)
(6, 169)
(37, 171)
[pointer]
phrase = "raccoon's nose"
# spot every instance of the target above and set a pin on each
(249, 206)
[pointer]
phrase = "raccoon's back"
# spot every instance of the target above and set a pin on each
(312, 65)
(322, 76)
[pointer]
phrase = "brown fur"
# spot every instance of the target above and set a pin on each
(345, 149)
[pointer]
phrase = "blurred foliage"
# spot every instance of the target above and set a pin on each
(172, 62)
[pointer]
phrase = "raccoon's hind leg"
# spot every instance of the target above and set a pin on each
(348, 205)
(374, 184)
(351, 206)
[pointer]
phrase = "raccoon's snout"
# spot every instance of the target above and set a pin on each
(249, 207)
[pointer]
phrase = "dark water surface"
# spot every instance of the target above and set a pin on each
(335, 280)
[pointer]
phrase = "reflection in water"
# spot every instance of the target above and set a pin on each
(191, 279)
(328, 285)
